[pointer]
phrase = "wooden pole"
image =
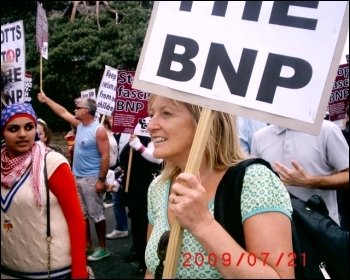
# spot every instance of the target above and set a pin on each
(41, 72)
(192, 166)
(129, 168)
(103, 118)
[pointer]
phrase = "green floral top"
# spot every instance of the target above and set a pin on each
(262, 192)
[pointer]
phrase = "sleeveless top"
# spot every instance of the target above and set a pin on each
(87, 158)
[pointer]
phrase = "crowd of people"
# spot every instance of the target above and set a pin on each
(150, 187)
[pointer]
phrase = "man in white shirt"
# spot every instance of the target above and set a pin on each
(307, 164)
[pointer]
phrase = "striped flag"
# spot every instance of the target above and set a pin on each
(42, 31)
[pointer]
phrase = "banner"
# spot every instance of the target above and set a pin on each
(42, 32)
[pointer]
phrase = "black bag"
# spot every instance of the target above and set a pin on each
(317, 239)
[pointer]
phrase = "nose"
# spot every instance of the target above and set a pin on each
(151, 124)
(22, 132)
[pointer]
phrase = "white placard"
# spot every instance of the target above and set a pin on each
(141, 127)
(89, 93)
(13, 57)
(105, 99)
(272, 61)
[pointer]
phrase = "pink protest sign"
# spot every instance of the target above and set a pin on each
(340, 94)
(130, 104)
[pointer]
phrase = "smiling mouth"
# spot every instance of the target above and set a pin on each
(158, 139)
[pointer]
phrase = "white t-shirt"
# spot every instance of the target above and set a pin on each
(320, 155)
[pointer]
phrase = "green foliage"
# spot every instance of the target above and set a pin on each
(78, 51)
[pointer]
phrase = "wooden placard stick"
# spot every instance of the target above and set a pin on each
(192, 166)
(41, 73)
(103, 119)
(129, 168)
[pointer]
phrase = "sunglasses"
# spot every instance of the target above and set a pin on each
(78, 108)
(161, 252)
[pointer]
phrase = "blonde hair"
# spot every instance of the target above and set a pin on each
(223, 147)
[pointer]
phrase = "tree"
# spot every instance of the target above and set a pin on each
(78, 51)
(97, 10)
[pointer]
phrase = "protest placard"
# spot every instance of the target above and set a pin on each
(130, 104)
(106, 93)
(28, 84)
(13, 55)
(272, 61)
(89, 93)
(339, 99)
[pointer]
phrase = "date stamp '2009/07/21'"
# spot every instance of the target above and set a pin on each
(226, 259)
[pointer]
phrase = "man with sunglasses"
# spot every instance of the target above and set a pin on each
(90, 166)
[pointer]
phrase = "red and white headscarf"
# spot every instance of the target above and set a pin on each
(12, 169)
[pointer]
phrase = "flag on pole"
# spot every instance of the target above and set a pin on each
(42, 31)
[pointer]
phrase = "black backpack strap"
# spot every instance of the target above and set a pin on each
(227, 203)
(117, 137)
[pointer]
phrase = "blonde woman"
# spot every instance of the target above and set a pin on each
(265, 204)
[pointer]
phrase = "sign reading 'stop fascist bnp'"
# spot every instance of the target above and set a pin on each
(274, 61)
(130, 108)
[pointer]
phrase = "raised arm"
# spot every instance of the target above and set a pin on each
(58, 109)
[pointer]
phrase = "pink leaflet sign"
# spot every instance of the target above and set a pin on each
(339, 98)
(42, 31)
(130, 104)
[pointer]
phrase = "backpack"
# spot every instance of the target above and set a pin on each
(321, 246)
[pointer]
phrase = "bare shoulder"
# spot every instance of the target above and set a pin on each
(101, 132)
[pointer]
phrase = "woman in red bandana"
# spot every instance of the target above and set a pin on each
(24, 249)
